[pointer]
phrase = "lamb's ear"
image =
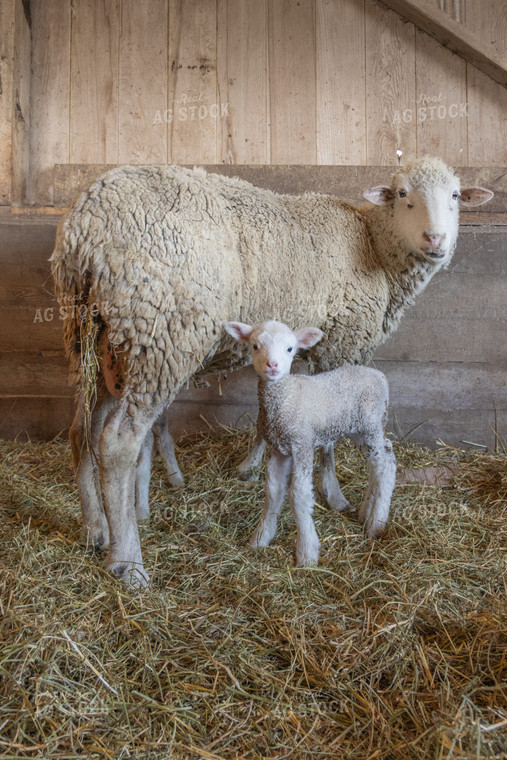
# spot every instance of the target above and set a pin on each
(308, 336)
(475, 196)
(238, 330)
(380, 196)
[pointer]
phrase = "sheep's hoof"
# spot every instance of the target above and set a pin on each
(95, 540)
(248, 475)
(130, 573)
(337, 501)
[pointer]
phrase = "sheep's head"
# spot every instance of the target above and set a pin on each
(425, 196)
(273, 345)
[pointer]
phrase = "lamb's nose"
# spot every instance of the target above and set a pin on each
(272, 365)
(434, 239)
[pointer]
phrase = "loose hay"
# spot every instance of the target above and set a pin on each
(394, 650)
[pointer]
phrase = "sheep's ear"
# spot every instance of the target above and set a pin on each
(380, 196)
(238, 330)
(308, 336)
(475, 196)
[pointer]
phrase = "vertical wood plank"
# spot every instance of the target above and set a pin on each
(143, 82)
(441, 102)
(487, 100)
(50, 95)
(390, 85)
(242, 65)
(20, 106)
(94, 81)
(7, 25)
(341, 101)
(292, 78)
(192, 81)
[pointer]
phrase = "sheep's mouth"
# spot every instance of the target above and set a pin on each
(434, 256)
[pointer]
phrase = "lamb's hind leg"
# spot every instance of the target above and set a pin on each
(374, 511)
(308, 544)
(165, 446)
(248, 469)
(276, 487)
(119, 447)
(95, 527)
(328, 482)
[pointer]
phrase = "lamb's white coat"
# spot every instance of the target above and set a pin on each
(298, 413)
(167, 255)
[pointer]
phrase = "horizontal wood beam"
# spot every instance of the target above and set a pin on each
(425, 15)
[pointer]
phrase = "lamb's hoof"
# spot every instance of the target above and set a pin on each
(307, 556)
(307, 560)
(375, 530)
(176, 480)
(258, 542)
(338, 502)
(130, 573)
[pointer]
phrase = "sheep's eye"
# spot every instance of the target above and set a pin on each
(455, 195)
(255, 347)
(402, 193)
(289, 350)
(410, 205)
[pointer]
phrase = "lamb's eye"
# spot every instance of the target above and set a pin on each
(402, 193)
(289, 350)
(410, 205)
(255, 347)
(455, 195)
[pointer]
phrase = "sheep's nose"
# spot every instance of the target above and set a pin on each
(272, 365)
(434, 239)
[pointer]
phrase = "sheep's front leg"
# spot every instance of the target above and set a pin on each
(374, 511)
(119, 447)
(277, 477)
(247, 468)
(143, 477)
(95, 526)
(165, 446)
(308, 544)
(328, 482)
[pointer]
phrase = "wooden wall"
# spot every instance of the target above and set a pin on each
(264, 82)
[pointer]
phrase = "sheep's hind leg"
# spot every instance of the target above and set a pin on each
(95, 526)
(328, 482)
(374, 511)
(143, 477)
(119, 447)
(276, 487)
(165, 446)
(308, 544)
(248, 469)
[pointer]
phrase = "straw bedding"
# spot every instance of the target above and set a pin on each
(394, 649)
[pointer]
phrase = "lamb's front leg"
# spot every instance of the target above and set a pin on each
(277, 477)
(248, 469)
(328, 482)
(119, 447)
(308, 544)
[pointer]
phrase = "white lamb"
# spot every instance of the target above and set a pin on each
(298, 413)
(168, 255)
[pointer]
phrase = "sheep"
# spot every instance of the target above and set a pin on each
(298, 413)
(168, 255)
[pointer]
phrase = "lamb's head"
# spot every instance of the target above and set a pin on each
(273, 345)
(425, 197)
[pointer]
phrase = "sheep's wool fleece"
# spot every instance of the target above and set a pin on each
(166, 255)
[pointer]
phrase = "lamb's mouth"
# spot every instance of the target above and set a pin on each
(434, 256)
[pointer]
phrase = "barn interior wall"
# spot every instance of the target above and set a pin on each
(270, 82)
